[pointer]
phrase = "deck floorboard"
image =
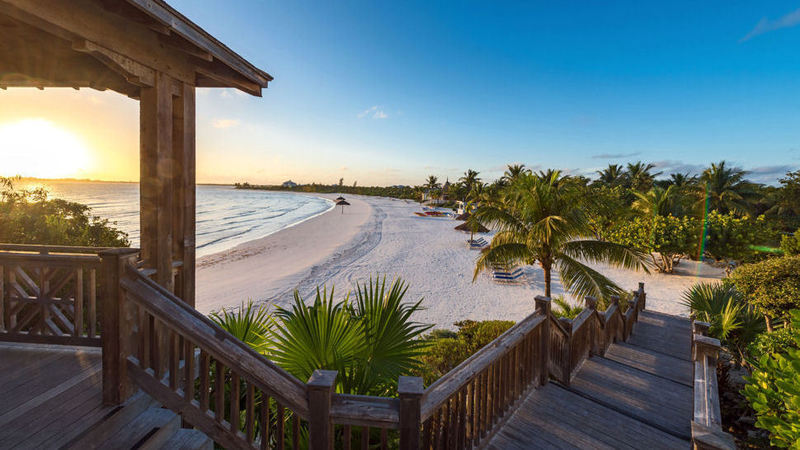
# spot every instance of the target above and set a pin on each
(639, 395)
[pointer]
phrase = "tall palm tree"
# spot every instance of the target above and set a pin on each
(432, 182)
(514, 171)
(724, 188)
(613, 175)
(682, 179)
(640, 177)
(469, 179)
(656, 202)
(542, 220)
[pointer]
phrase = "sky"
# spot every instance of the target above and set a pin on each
(384, 93)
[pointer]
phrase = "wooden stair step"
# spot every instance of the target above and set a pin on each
(187, 439)
(113, 422)
(150, 429)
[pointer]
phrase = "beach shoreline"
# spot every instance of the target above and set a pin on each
(382, 236)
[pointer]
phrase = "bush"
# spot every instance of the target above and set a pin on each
(774, 393)
(733, 321)
(447, 349)
(731, 238)
(791, 244)
(773, 285)
(28, 217)
(565, 309)
(779, 341)
(669, 236)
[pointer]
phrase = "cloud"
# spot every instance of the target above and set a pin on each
(225, 123)
(769, 174)
(615, 155)
(376, 112)
(765, 25)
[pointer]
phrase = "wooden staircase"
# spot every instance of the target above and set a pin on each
(141, 423)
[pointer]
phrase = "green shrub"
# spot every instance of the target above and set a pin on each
(28, 217)
(778, 341)
(791, 244)
(773, 285)
(565, 309)
(732, 238)
(447, 349)
(669, 236)
(774, 392)
(733, 321)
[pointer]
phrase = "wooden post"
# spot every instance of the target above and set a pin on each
(566, 361)
(543, 305)
(320, 393)
(183, 226)
(642, 296)
(156, 177)
(699, 327)
(597, 336)
(116, 323)
(410, 390)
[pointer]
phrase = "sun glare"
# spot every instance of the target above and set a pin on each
(39, 148)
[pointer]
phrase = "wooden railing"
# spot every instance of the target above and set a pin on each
(153, 341)
(49, 294)
(707, 421)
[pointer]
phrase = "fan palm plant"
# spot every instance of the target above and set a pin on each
(639, 176)
(249, 323)
(655, 202)
(541, 219)
(370, 341)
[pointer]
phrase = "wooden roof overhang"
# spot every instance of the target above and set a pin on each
(114, 44)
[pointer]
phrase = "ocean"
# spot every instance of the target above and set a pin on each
(226, 216)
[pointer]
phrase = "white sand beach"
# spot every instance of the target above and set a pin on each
(383, 236)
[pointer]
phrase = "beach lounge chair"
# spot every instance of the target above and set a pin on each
(503, 275)
(477, 244)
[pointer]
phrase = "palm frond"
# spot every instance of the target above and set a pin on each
(581, 280)
(249, 323)
(607, 252)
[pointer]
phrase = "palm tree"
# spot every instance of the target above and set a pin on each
(514, 171)
(639, 176)
(613, 175)
(469, 179)
(432, 182)
(682, 179)
(724, 189)
(656, 202)
(542, 220)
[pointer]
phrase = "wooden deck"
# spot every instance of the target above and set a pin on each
(639, 395)
(51, 394)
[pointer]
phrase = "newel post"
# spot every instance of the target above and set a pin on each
(642, 296)
(115, 325)
(598, 346)
(543, 305)
(320, 393)
(410, 390)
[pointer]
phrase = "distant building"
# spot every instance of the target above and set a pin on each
(289, 184)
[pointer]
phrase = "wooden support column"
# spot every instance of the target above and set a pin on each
(156, 178)
(183, 226)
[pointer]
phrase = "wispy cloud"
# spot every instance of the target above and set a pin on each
(376, 112)
(765, 25)
(615, 155)
(225, 123)
(769, 174)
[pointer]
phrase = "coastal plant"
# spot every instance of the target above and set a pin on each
(733, 321)
(248, 323)
(773, 390)
(666, 239)
(369, 341)
(540, 219)
(30, 217)
(723, 188)
(565, 309)
(732, 238)
(790, 244)
(772, 286)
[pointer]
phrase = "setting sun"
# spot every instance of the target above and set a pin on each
(39, 148)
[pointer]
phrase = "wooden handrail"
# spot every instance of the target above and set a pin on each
(207, 335)
(44, 249)
(707, 421)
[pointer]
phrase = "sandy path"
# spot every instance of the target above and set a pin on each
(384, 236)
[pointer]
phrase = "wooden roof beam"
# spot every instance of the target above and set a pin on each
(134, 72)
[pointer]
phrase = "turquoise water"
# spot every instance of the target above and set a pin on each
(226, 216)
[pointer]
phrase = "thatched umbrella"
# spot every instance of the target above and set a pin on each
(339, 198)
(342, 203)
(473, 227)
(463, 216)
